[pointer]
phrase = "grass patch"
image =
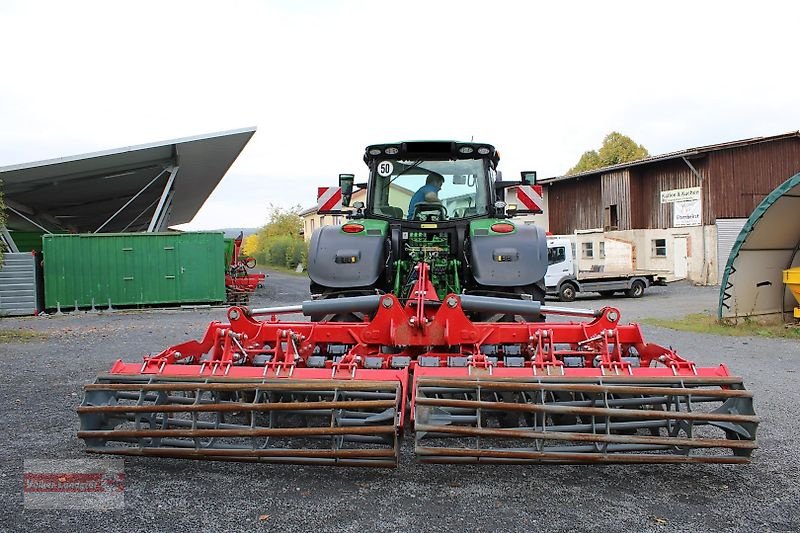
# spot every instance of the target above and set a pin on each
(703, 323)
(20, 335)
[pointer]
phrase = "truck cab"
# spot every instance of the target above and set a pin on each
(561, 266)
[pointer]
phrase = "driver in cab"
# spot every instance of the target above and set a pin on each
(427, 193)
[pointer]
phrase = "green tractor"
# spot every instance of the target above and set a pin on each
(434, 202)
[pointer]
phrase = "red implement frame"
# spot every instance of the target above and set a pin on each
(239, 281)
(423, 330)
(433, 341)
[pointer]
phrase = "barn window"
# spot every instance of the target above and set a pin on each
(602, 249)
(587, 250)
(659, 247)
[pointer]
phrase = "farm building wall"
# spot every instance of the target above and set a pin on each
(626, 202)
(740, 178)
(574, 204)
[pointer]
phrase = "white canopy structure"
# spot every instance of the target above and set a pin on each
(752, 284)
(139, 188)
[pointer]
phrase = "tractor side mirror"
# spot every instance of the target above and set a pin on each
(346, 184)
(528, 177)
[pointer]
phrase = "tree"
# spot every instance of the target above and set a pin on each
(588, 161)
(250, 244)
(279, 242)
(282, 222)
(617, 148)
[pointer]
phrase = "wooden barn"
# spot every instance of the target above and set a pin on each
(678, 212)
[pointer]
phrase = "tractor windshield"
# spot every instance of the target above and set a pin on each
(429, 190)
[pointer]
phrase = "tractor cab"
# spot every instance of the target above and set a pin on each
(430, 181)
(440, 203)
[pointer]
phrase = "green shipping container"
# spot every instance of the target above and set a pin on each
(27, 241)
(132, 269)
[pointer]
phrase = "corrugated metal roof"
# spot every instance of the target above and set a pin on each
(689, 152)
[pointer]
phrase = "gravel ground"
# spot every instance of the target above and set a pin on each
(41, 383)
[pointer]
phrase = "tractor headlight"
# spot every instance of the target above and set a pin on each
(391, 150)
(374, 151)
(466, 149)
(483, 150)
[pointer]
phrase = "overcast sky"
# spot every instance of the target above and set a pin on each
(543, 82)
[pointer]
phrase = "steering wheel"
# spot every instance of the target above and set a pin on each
(422, 207)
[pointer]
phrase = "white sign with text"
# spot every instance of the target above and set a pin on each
(687, 213)
(680, 195)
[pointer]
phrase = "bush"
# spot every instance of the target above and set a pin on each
(294, 252)
(279, 242)
(275, 249)
(284, 251)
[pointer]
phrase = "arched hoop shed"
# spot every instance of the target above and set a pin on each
(752, 284)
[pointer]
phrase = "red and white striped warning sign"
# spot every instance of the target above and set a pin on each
(329, 199)
(529, 198)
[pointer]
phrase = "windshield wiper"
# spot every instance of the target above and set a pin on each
(407, 169)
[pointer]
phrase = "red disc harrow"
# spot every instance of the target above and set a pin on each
(257, 388)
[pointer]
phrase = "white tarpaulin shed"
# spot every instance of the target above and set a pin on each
(752, 283)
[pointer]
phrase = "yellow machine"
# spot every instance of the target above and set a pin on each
(791, 278)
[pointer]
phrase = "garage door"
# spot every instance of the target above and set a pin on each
(727, 231)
